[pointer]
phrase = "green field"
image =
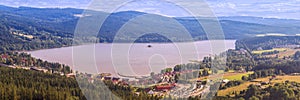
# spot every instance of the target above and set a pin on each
(236, 76)
(262, 51)
(244, 86)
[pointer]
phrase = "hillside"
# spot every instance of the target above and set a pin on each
(54, 27)
(268, 42)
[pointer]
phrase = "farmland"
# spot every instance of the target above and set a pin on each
(238, 88)
(271, 50)
(244, 86)
(236, 76)
(286, 53)
(228, 75)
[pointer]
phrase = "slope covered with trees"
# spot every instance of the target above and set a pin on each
(56, 27)
(267, 42)
(18, 84)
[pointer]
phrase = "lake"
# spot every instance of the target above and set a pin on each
(131, 59)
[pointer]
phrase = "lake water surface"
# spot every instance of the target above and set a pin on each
(131, 59)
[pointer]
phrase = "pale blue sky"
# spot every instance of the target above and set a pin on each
(289, 9)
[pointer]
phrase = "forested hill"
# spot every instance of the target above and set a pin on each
(32, 28)
(267, 42)
(27, 28)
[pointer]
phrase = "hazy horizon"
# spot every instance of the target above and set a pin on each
(267, 9)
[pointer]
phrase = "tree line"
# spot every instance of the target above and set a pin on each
(25, 60)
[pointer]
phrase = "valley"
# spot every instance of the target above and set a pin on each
(41, 57)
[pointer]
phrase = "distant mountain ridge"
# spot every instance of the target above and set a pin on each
(61, 22)
(265, 21)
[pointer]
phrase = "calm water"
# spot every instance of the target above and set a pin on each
(131, 59)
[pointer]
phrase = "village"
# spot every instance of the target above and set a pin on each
(161, 84)
(158, 84)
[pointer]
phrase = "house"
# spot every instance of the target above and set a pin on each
(99, 77)
(242, 70)
(123, 83)
(150, 92)
(295, 74)
(115, 79)
(225, 81)
(125, 79)
(91, 80)
(199, 81)
(242, 51)
(106, 78)
(105, 74)
(4, 56)
(258, 84)
(165, 87)
(89, 75)
(273, 77)
(71, 75)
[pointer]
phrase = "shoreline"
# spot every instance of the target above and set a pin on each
(55, 55)
(26, 51)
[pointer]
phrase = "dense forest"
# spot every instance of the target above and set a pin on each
(23, 84)
(16, 84)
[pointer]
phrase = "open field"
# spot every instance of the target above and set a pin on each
(280, 79)
(262, 51)
(236, 76)
(236, 89)
(245, 85)
(228, 75)
(287, 53)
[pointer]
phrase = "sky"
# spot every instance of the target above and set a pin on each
(285, 9)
